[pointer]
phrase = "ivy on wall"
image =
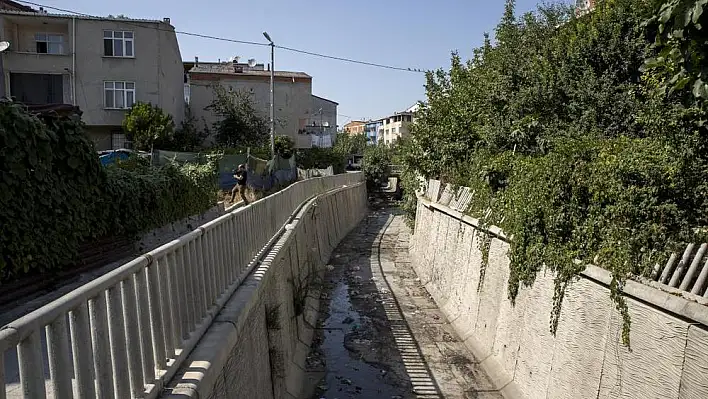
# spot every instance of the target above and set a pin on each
(575, 139)
(55, 195)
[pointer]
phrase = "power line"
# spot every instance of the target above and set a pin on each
(203, 36)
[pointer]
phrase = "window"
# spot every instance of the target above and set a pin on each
(47, 43)
(119, 95)
(118, 43)
(37, 89)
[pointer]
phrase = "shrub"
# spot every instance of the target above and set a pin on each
(149, 126)
(377, 165)
(55, 195)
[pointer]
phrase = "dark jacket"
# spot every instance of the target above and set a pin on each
(241, 177)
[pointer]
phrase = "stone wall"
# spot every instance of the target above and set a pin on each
(257, 345)
(585, 359)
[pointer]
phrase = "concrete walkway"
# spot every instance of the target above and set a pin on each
(380, 333)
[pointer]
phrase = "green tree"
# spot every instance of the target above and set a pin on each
(187, 137)
(377, 165)
(284, 146)
(240, 123)
(346, 144)
(149, 126)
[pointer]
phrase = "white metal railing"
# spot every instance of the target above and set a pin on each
(124, 334)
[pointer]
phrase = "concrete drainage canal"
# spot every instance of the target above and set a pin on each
(346, 360)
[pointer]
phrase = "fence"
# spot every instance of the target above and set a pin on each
(126, 333)
(263, 174)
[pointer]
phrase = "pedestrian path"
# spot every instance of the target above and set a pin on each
(380, 334)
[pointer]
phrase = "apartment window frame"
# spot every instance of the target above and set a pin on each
(118, 88)
(45, 38)
(119, 39)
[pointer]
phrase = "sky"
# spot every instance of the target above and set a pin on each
(408, 34)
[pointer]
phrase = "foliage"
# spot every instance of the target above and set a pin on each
(284, 146)
(188, 137)
(680, 33)
(320, 158)
(346, 144)
(50, 173)
(569, 142)
(55, 195)
(149, 126)
(376, 165)
(240, 123)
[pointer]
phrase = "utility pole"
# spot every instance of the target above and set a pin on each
(272, 95)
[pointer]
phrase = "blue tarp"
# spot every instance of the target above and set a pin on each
(111, 157)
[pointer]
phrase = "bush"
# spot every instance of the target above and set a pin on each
(55, 195)
(51, 177)
(149, 126)
(377, 165)
(320, 158)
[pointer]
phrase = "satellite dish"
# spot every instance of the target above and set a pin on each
(252, 62)
(4, 46)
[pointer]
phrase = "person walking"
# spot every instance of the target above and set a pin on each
(241, 176)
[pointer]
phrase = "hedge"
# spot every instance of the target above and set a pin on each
(55, 195)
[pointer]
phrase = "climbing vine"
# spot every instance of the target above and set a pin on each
(570, 145)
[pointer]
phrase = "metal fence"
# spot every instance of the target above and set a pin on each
(125, 334)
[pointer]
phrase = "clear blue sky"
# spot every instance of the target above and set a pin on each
(415, 33)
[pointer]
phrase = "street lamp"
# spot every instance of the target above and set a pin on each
(272, 96)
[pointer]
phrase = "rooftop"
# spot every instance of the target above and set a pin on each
(81, 16)
(229, 68)
(324, 99)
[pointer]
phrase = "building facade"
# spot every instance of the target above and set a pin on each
(354, 127)
(101, 65)
(371, 129)
(322, 126)
(297, 112)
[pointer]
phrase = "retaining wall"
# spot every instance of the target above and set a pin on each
(256, 347)
(586, 359)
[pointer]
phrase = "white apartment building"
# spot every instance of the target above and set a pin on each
(396, 126)
(101, 65)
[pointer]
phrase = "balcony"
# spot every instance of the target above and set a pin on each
(38, 44)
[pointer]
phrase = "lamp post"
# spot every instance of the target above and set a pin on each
(3, 46)
(272, 96)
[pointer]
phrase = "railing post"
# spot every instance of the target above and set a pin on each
(101, 346)
(59, 357)
(83, 363)
(116, 334)
(29, 357)
(134, 345)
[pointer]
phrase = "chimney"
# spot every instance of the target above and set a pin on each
(196, 61)
(166, 20)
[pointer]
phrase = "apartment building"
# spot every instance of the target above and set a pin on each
(396, 126)
(354, 127)
(101, 65)
(298, 114)
(371, 129)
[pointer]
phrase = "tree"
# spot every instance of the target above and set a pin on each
(240, 124)
(149, 126)
(284, 146)
(187, 137)
(347, 145)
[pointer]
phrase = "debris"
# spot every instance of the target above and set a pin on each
(330, 268)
